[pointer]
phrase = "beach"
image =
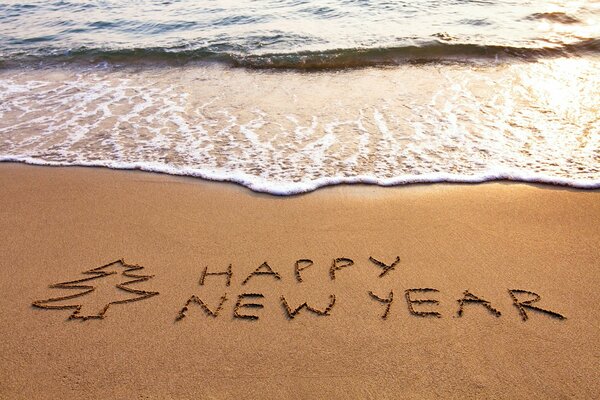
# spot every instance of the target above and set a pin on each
(480, 243)
(299, 200)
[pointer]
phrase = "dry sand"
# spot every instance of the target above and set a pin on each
(56, 223)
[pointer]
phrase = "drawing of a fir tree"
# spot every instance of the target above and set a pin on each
(82, 303)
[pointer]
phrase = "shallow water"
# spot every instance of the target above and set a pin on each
(290, 132)
(385, 92)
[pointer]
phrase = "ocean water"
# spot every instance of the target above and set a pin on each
(288, 96)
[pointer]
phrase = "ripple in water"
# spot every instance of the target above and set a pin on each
(239, 28)
(291, 132)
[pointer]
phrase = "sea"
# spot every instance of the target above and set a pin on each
(287, 96)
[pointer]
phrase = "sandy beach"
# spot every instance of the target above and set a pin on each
(465, 246)
(299, 200)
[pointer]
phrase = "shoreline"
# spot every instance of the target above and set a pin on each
(486, 239)
(405, 124)
(260, 188)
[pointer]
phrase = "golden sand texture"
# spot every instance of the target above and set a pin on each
(425, 291)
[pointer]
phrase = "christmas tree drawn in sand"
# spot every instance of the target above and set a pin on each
(87, 287)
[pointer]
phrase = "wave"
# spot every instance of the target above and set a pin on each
(559, 17)
(430, 52)
(261, 185)
(290, 132)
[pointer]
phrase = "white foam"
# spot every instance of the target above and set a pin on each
(288, 133)
(263, 185)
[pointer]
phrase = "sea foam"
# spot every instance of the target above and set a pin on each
(288, 132)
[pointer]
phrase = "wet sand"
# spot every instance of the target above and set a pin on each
(487, 239)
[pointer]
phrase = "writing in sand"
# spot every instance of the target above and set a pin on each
(420, 301)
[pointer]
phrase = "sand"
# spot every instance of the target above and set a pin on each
(56, 223)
